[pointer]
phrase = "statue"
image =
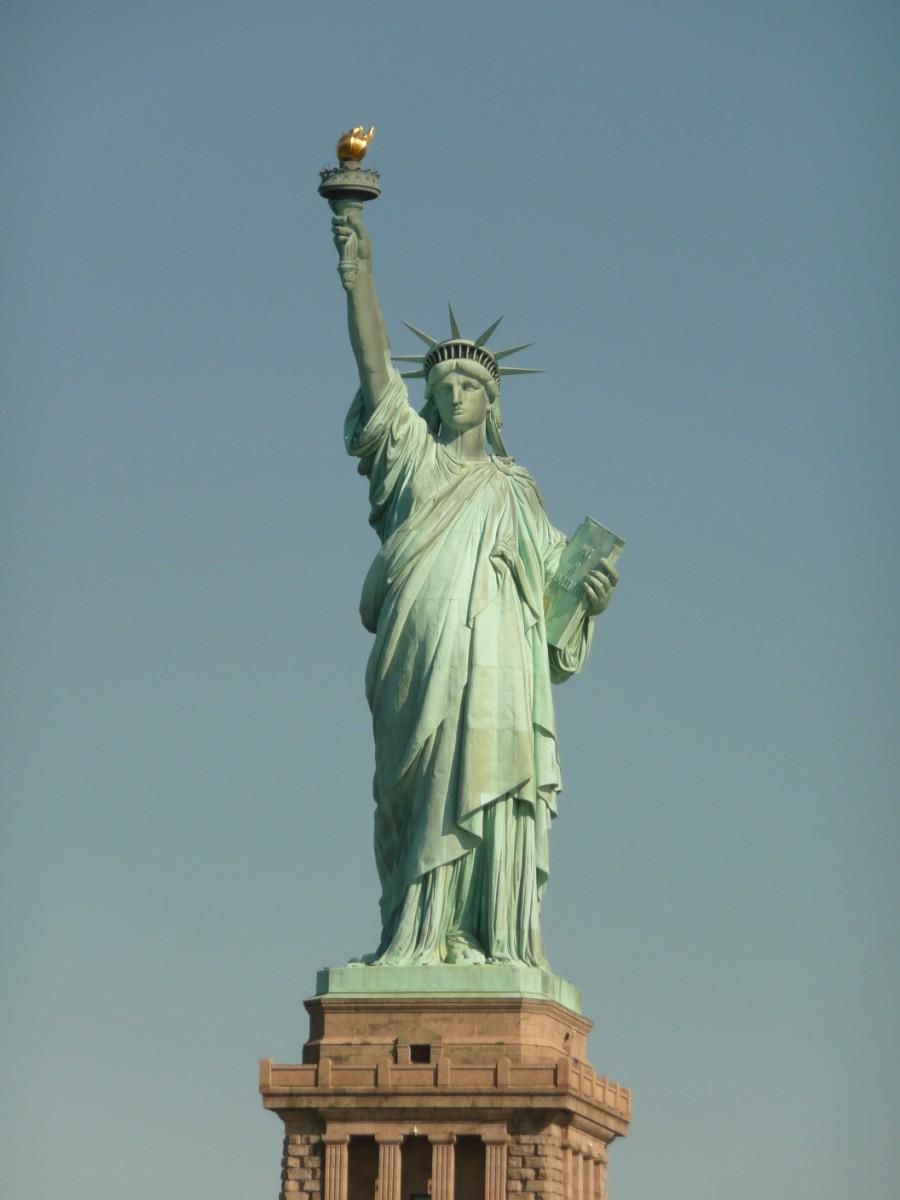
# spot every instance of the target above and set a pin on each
(458, 599)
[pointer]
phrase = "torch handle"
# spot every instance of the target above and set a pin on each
(348, 265)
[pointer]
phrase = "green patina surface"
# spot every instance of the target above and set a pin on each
(459, 678)
(509, 979)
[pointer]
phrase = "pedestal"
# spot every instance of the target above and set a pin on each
(471, 1086)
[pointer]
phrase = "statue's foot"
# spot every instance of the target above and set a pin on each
(364, 960)
(462, 949)
(420, 958)
(465, 955)
(502, 958)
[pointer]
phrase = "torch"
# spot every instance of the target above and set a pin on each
(347, 187)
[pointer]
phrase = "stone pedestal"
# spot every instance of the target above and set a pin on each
(445, 1089)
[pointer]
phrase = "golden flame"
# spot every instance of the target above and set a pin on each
(353, 144)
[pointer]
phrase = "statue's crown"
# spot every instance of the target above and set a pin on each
(459, 347)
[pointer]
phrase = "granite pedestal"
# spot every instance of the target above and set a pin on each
(451, 1082)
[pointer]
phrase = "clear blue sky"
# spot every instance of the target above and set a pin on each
(689, 208)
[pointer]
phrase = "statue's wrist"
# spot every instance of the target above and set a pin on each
(362, 273)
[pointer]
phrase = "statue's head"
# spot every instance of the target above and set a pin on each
(471, 375)
(462, 395)
(469, 358)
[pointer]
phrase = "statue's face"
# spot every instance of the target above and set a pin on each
(461, 401)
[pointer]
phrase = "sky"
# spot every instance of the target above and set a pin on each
(688, 208)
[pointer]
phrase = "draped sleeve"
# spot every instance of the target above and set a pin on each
(392, 444)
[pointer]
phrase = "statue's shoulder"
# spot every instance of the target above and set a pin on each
(510, 467)
(520, 477)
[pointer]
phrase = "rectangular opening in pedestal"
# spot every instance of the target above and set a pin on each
(363, 1168)
(469, 1168)
(416, 1169)
(419, 1052)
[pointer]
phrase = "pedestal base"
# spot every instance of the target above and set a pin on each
(509, 979)
(458, 1096)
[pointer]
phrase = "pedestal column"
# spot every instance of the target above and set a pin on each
(568, 1156)
(337, 1164)
(390, 1165)
(494, 1168)
(443, 1164)
(588, 1177)
(600, 1175)
(577, 1192)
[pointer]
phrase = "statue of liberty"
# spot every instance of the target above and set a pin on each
(459, 677)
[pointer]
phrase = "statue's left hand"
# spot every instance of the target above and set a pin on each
(598, 587)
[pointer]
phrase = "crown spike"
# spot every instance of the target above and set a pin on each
(419, 358)
(421, 334)
(455, 330)
(482, 338)
(498, 354)
(412, 374)
(520, 371)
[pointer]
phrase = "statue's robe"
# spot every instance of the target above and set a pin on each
(458, 681)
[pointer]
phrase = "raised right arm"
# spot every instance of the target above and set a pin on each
(368, 336)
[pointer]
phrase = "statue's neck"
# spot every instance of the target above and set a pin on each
(465, 445)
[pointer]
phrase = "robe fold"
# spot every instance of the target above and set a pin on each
(458, 681)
